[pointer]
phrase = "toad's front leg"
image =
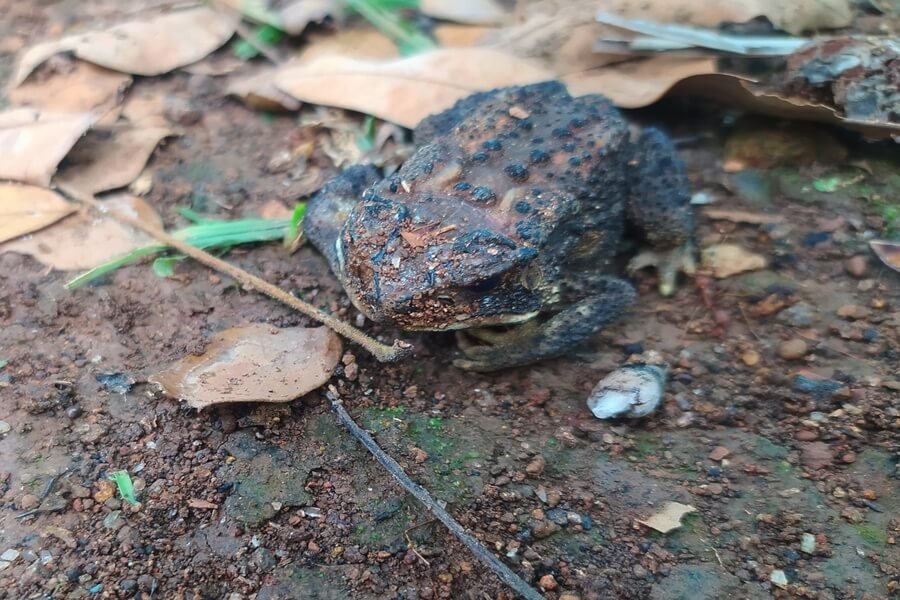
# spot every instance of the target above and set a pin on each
(534, 341)
(659, 208)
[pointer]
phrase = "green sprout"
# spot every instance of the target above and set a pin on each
(123, 483)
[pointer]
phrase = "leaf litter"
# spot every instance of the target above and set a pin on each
(28, 208)
(254, 363)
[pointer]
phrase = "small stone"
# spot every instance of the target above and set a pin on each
(548, 582)
(73, 412)
(9, 555)
(853, 312)
(129, 586)
(839, 492)
(543, 529)
(106, 489)
(777, 577)
(28, 501)
(816, 455)
(570, 597)
(853, 514)
(5, 427)
(419, 455)
(715, 489)
(870, 494)
(718, 453)
(113, 520)
(849, 458)
(806, 435)
(792, 349)
(351, 371)
(147, 583)
(750, 358)
(856, 266)
(553, 498)
(798, 315)
(536, 466)
(313, 547)
(808, 543)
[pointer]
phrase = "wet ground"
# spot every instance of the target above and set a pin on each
(781, 421)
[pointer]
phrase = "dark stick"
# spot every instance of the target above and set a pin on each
(505, 574)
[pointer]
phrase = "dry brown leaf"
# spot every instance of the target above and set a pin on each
(87, 240)
(254, 363)
(258, 91)
(887, 252)
(405, 91)
(737, 91)
(472, 12)
(668, 518)
(83, 88)
(635, 84)
(33, 143)
(742, 216)
(143, 108)
(112, 158)
(725, 260)
(28, 208)
(794, 17)
(356, 42)
(152, 45)
(451, 35)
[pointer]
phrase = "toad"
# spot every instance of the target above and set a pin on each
(505, 223)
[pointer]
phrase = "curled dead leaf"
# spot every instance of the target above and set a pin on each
(150, 45)
(887, 252)
(726, 260)
(635, 84)
(28, 208)
(87, 240)
(111, 158)
(82, 88)
(793, 17)
(33, 143)
(406, 90)
(254, 363)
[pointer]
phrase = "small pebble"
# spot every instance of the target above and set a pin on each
(718, 453)
(73, 412)
(4, 427)
(28, 501)
(9, 555)
(806, 435)
(856, 266)
(816, 455)
(536, 466)
(849, 457)
(793, 349)
(808, 543)
(750, 358)
(548, 582)
(778, 578)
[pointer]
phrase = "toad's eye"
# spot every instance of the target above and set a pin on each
(485, 285)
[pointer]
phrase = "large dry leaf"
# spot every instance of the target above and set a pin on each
(32, 143)
(725, 260)
(152, 45)
(87, 240)
(406, 90)
(634, 84)
(738, 91)
(110, 158)
(82, 88)
(27, 208)
(255, 363)
(794, 17)
(473, 12)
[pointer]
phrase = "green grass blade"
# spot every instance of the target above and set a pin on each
(123, 483)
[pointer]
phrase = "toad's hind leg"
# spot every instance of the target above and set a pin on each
(533, 341)
(659, 208)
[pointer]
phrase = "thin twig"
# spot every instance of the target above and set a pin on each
(382, 352)
(505, 574)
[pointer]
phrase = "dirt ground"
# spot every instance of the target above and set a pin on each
(790, 452)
